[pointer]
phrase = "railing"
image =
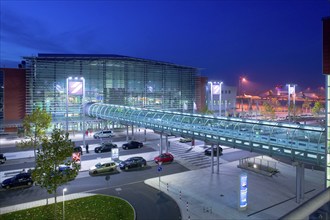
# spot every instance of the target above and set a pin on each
(296, 142)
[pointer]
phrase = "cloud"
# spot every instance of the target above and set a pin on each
(29, 33)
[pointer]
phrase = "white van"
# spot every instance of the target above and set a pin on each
(104, 134)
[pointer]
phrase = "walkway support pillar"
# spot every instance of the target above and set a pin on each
(145, 135)
(166, 143)
(160, 144)
(212, 157)
(133, 132)
(218, 162)
(113, 125)
(126, 133)
(299, 181)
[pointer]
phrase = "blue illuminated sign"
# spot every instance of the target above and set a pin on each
(243, 191)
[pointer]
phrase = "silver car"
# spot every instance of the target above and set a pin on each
(103, 167)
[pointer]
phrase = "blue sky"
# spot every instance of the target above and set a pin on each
(270, 42)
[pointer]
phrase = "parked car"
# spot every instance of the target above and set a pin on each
(104, 134)
(208, 151)
(103, 167)
(66, 170)
(185, 140)
(164, 158)
(132, 162)
(132, 144)
(105, 147)
(2, 159)
(21, 179)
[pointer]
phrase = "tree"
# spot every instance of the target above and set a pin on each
(206, 111)
(306, 105)
(54, 152)
(35, 126)
(317, 108)
(268, 110)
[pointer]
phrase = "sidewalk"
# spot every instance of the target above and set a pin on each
(202, 195)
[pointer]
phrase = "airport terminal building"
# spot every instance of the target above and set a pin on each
(111, 79)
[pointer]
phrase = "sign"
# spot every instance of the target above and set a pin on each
(243, 192)
(160, 168)
(114, 153)
(75, 87)
(216, 89)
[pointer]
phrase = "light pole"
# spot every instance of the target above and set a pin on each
(64, 190)
(211, 94)
(240, 85)
(220, 94)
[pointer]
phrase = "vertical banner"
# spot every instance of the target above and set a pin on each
(243, 190)
(216, 89)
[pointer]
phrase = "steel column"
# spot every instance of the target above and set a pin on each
(212, 157)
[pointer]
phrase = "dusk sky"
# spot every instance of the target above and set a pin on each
(270, 42)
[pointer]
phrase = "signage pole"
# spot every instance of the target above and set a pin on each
(159, 170)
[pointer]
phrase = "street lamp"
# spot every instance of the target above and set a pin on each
(241, 80)
(220, 98)
(64, 190)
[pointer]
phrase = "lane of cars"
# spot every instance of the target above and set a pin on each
(107, 167)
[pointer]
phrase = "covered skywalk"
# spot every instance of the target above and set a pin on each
(299, 143)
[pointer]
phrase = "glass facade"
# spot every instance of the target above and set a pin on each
(327, 145)
(110, 79)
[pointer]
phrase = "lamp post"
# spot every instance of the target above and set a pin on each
(220, 94)
(240, 85)
(64, 190)
(211, 94)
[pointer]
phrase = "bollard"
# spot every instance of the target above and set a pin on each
(180, 194)
(187, 206)
(167, 186)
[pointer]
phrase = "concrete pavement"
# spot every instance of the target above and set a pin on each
(203, 195)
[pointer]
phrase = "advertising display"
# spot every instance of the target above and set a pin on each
(243, 192)
(216, 89)
(75, 87)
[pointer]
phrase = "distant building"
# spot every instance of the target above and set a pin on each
(216, 91)
(111, 79)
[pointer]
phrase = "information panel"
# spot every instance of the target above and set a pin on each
(243, 192)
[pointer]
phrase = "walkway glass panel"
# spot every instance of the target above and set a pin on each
(297, 142)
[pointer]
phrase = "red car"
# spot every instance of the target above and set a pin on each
(164, 158)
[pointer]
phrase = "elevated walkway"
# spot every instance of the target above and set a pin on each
(298, 143)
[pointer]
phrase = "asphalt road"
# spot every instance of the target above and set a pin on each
(148, 202)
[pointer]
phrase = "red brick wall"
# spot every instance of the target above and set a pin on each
(200, 95)
(14, 93)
